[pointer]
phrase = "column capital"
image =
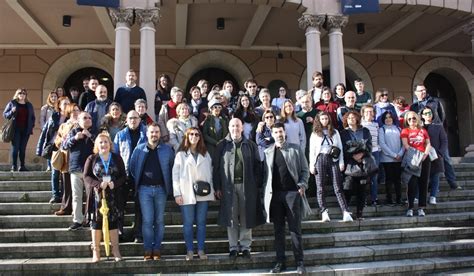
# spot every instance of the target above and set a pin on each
(121, 16)
(336, 21)
(148, 16)
(469, 28)
(311, 20)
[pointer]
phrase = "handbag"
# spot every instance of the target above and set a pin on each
(8, 131)
(58, 159)
(335, 152)
(48, 150)
(202, 188)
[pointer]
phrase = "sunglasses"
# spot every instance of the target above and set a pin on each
(412, 119)
(384, 95)
(217, 107)
(427, 113)
(133, 118)
(252, 86)
(194, 134)
(22, 93)
(269, 117)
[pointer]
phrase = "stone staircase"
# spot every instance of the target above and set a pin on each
(34, 241)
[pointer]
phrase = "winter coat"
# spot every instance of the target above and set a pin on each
(439, 141)
(211, 137)
(123, 144)
(79, 150)
(177, 128)
(297, 166)
(347, 134)
(223, 177)
(8, 114)
(186, 171)
(436, 108)
(48, 133)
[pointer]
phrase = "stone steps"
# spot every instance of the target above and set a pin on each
(260, 243)
(11, 203)
(220, 262)
(51, 221)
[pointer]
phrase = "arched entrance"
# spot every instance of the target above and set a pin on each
(438, 86)
(69, 63)
(451, 80)
(213, 76)
(75, 79)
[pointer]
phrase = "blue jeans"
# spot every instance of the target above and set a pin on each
(20, 139)
(434, 184)
(194, 213)
(449, 170)
(374, 180)
(152, 203)
(55, 183)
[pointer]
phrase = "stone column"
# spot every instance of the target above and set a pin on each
(122, 20)
(469, 30)
(311, 24)
(337, 69)
(148, 18)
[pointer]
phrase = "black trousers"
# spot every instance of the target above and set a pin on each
(358, 189)
(419, 184)
(393, 171)
(287, 205)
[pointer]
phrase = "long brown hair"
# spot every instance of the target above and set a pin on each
(318, 127)
(284, 117)
(186, 145)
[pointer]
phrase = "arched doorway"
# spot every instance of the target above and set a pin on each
(274, 86)
(213, 76)
(75, 79)
(439, 86)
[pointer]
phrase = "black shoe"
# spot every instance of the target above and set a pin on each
(279, 267)
(300, 269)
(23, 169)
(75, 226)
(233, 254)
(54, 200)
(246, 254)
(138, 240)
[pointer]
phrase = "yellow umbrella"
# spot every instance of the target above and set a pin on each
(104, 210)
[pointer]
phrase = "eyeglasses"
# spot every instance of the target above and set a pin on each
(428, 113)
(133, 118)
(269, 117)
(194, 134)
(412, 119)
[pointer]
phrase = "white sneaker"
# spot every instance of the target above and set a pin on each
(325, 216)
(432, 200)
(421, 213)
(409, 213)
(347, 217)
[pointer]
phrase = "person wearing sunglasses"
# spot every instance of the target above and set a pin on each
(414, 136)
(382, 104)
(264, 132)
(215, 127)
(193, 163)
(439, 141)
(23, 114)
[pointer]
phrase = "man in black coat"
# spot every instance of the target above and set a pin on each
(237, 178)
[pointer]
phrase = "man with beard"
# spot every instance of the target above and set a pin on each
(286, 179)
(89, 94)
(318, 81)
(127, 95)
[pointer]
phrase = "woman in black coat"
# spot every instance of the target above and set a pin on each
(22, 112)
(439, 141)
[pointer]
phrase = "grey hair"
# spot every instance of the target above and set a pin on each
(175, 90)
(141, 101)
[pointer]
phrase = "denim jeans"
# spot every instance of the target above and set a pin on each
(449, 170)
(434, 184)
(20, 139)
(374, 180)
(55, 190)
(152, 204)
(194, 213)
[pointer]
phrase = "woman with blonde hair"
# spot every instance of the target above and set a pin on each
(23, 114)
(416, 140)
(48, 109)
(104, 173)
(193, 165)
(178, 126)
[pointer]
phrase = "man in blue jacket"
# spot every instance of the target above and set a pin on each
(98, 107)
(125, 143)
(150, 169)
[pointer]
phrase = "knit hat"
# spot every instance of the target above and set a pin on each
(213, 102)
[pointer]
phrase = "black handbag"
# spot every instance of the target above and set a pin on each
(202, 188)
(48, 150)
(334, 152)
(8, 131)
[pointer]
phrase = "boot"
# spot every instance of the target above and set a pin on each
(96, 237)
(114, 240)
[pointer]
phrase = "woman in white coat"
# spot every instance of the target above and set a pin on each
(193, 163)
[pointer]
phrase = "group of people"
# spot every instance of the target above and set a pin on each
(252, 153)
